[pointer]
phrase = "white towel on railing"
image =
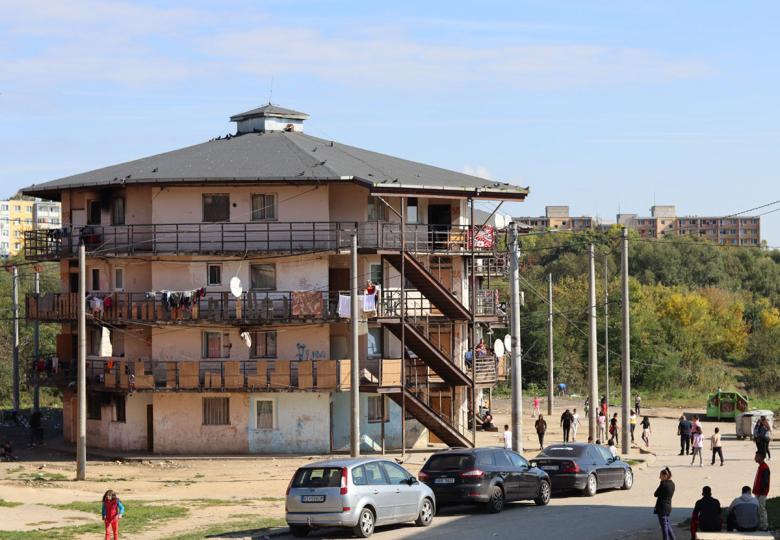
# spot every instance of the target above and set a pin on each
(369, 303)
(344, 308)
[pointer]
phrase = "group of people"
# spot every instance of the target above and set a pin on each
(692, 440)
(745, 513)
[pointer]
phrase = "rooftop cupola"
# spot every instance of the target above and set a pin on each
(269, 118)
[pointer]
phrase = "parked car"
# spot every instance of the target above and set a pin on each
(488, 476)
(360, 493)
(584, 467)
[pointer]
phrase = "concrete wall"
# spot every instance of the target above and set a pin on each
(371, 433)
(179, 429)
(301, 424)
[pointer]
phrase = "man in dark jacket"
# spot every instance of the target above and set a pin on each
(566, 420)
(706, 514)
(684, 429)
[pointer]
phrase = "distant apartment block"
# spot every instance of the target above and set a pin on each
(725, 230)
(20, 215)
(558, 218)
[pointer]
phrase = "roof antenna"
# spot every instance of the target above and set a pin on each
(271, 91)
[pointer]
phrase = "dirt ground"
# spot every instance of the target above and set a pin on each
(214, 490)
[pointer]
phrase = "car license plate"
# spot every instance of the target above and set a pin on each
(549, 467)
(444, 481)
(312, 498)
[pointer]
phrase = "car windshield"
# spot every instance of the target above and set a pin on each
(318, 477)
(449, 462)
(563, 451)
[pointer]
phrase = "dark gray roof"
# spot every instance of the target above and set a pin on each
(280, 156)
(269, 110)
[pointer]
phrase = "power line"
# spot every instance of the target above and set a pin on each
(751, 209)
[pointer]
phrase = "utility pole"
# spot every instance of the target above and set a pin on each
(15, 294)
(81, 384)
(516, 353)
(550, 372)
(354, 445)
(626, 349)
(36, 346)
(606, 327)
(593, 374)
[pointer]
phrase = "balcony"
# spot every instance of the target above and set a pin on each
(119, 374)
(269, 238)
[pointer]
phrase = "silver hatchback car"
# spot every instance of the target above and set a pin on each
(359, 493)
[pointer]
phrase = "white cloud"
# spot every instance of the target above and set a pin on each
(478, 170)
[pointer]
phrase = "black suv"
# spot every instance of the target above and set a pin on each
(488, 476)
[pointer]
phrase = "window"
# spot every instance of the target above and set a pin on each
(94, 338)
(374, 474)
(501, 459)
(119, 279)
(118, 211)
(263, 207)
(262, 276)
(121, 409)
(518, 461)
(214, 274)
(412, 215)
(377, 412)
(375, 342)
(375, 270)
(212, 345)
(395, 474)
(264, 344)
(93, 213)
(265, 414)
(216, 207)
(377, 211)
(94, 406)
(17, 208)
(216, 411)
(17, 245)
(95, 279)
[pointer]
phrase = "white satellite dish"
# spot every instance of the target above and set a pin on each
(508, 342)
(500, 221)
(498, 347)
(235, 287)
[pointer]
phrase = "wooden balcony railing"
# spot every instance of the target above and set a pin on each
(117, 373)
(274, 237)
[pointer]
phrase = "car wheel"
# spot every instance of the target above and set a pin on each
(299, 531)
(544, 493)
(628, 479)
(592, 486)
(365, 524)
(496, 502)
(426, 514)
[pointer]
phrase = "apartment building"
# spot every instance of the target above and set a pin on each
(557, 218)
(725, 230)
(20, 215)
(217, 276)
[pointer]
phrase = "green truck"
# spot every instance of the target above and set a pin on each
(726, 404)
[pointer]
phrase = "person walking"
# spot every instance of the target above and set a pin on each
(684, 427)
(761, 490)
(698, 445)
(566, 420)
(632, 424)
(537, 411)
(604, 405)
(762, 435)
(706, 516)
(613, 426)
(507, 437)
(663, 503)
(715, 446)
(575, 423)
(646, 432)
(541, 429)
(638, 405)
(113, 510)
(602, 422)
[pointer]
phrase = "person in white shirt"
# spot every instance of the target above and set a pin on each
(602, 423)
(575, 423)
(612, 448)
(507, 437)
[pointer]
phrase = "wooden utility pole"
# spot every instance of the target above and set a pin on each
(354, 424)
(593, 375)
(626, 348)
(81, 383)
(516, 353)
(550, 372)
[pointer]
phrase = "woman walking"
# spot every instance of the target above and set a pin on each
(698, 444)
(541, 428)
(632, 423)
(646, 431)
(663, 503)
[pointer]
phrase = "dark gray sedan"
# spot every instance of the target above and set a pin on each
(584, 467)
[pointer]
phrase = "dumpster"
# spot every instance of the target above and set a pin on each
(746, 421)
(729, 404)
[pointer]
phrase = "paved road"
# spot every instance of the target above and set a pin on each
(611, 514)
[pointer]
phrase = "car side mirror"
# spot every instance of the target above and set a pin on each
(533, 464)
(412, 481)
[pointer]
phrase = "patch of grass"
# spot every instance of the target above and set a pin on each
(139, 515)
(44, 477)
(253, 526)
(632, 462)
(60, 533)
(199, 475)
(9, 504)
(15, 470)
(773, 511)
(205, 503)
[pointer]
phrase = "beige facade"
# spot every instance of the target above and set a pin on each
(724, 230)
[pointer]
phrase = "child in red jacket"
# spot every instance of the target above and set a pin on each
(113, 510)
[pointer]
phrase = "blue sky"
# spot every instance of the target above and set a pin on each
(600, 105)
